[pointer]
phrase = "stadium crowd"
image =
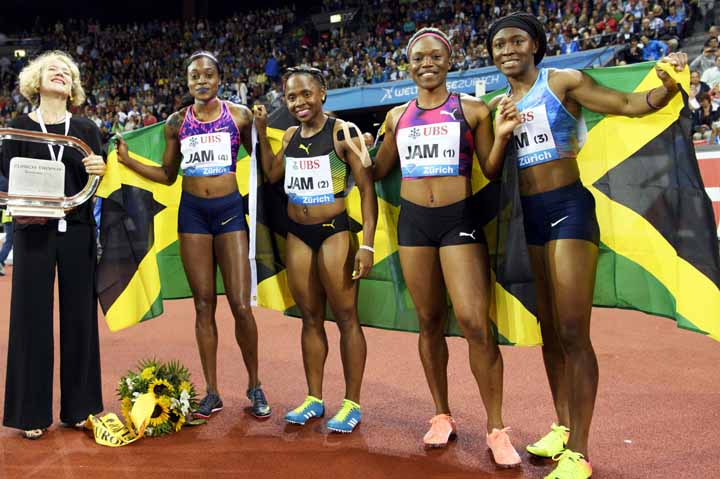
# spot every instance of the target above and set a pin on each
(135, 73)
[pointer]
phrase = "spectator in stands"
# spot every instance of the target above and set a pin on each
(697, 86)
(711, 76)
(704, 118)
(632, 53)
(707, 11)
(241, 43)
(653, 50)
(706, 60)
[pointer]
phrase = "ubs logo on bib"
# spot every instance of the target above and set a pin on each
(306, 164)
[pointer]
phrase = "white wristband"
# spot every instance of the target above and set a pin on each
(369, 248)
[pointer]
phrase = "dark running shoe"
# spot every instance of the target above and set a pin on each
(260, 407)
(210, 404)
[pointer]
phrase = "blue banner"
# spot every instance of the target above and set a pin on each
(394, 93)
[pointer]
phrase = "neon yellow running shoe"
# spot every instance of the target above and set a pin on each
(310, 408)
(552, 443)
(346, 418)
(571, 465)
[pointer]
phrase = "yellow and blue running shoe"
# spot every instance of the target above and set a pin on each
(346, 418)
(310, 408)
(571, 465)
(552, 443)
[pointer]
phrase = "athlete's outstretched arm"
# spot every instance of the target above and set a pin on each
(167, 173)
(387, 155)
(584, 90)
(272, 165)
(368, 201)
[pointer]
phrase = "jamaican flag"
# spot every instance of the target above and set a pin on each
(658, 251)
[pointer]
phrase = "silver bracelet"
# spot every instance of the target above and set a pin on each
(369, 248)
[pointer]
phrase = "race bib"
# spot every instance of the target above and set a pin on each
(308, 181)
(533, 138)
(429, 150)
(208, 154)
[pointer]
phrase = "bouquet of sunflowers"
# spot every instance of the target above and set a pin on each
(170, 386)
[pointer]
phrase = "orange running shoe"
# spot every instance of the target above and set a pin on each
(502, 449)
(442, 429)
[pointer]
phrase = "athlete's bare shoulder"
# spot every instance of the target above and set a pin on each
(564, 78)
(393, 116)
(174, 121)
(289, 134)
(473, 107)
(240, 113)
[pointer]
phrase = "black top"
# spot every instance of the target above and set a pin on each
(75, 176)
(319, 144)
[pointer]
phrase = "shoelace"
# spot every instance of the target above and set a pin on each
(208, 400)
(566, 461)
(441, 417)
(259, 396)
(505, 438)
(345, 410)
(546, 440)
(308, 401)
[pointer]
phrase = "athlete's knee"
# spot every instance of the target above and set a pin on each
(243, 312)
(346, 318)
(313, 322)
(476, 330)
(204, 305)
(574, 335)
(432, 324)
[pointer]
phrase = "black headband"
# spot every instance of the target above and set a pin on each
(524, 21)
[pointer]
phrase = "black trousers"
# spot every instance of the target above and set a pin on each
(38, 250)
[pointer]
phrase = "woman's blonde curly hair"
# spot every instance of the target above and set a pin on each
(29, 78)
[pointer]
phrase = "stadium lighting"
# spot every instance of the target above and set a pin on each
(336, 18)
(19, 53)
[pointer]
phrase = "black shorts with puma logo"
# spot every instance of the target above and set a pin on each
(440, 226)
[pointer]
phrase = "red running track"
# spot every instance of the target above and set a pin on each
(657, 414)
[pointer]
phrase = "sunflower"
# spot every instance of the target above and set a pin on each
(176, 419)
(161, 414)
(160, 387)
(185, 386)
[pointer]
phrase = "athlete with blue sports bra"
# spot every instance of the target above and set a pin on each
(323, 264)
(543, 107)
(203, 141)
(441, 242)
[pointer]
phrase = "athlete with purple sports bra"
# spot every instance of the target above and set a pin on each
(440, 238)
(203, 141)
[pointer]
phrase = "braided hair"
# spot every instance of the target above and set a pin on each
(432, 32)
(315, 73)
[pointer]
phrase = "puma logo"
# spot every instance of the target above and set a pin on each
(223, 223)
(306, 149)
(451, 114)
(330, 225)
(470, 235)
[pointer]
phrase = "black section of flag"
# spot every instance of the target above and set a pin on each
(126, 235)
(662, 183)
(510, 259)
